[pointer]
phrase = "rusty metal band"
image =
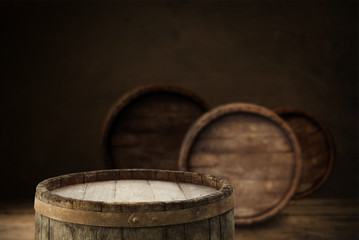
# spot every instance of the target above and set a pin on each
(137, 219)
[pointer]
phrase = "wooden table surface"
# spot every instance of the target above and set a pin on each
(302, 219)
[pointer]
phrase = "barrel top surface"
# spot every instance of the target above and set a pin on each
(253, 148)
(131, 187)
(133, 197)
(144, 128)
(134, 191)
(317, 148)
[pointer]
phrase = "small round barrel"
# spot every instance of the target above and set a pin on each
(134, 204)
(317, 148)
(145, 127)
(254, 149)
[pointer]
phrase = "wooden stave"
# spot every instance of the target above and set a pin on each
(228, 108)
(220, 227)
(329, 141)
(132, 95)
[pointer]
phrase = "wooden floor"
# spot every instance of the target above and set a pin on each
(303, 219)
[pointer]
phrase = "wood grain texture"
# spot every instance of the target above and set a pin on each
(58, 230)
(317, 148)
(134, 191)
(137, 196)
(145, 127)
(253, 148)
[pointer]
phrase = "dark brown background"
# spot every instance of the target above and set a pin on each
(64, 64)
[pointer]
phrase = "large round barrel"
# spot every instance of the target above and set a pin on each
(134, 204)
(317, 148)
(254, 149)
(146, 126)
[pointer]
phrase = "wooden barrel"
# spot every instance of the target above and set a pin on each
(134, 204)
(146, 126)
(253, 148)
(317, 148)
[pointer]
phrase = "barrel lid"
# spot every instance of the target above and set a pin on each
(166, 197)
(145, 127)
(253, 148)
(317, 148)
(134, 190)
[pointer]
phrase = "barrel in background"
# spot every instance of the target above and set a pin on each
(253, 148)
(317, 148)
(146, 126)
